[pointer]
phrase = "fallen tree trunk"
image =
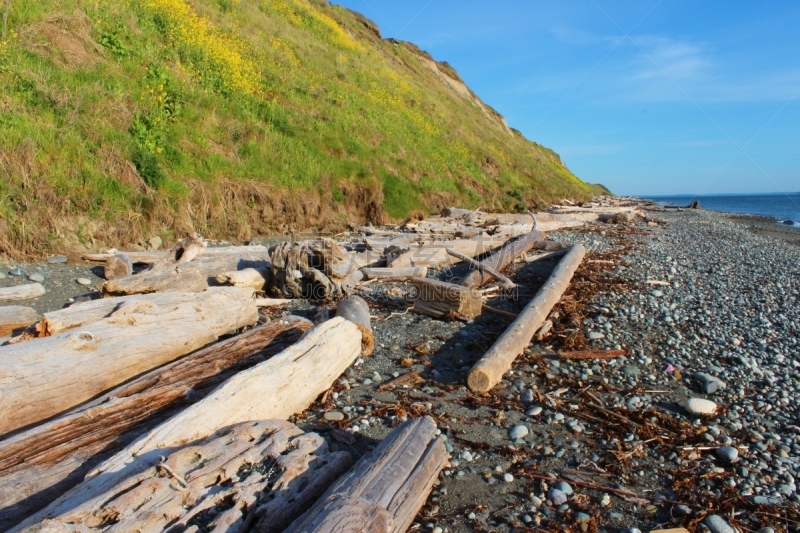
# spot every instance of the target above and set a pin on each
(174, 278)
(267, 469)
(21, 292)
(140, 258)
(276, 389)
(16, 317)
(384, 490)
(43, 377)
(502, 258)
(248, 277)
(184, 251)
(395, 273)
(356, 310)
(486, 269)
(435, 254)
(42, 463)
(441, 299)
(489, 370)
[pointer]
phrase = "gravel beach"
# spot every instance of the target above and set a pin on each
(697, 426)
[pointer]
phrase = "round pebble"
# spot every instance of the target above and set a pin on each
(16, 272)
(84, 281)
(534, 411)
(556, 496)
(518, 432)
(717, 524)
(508, 478)
(36, 277)
(700, 406)
(727, 453)
(333, 416)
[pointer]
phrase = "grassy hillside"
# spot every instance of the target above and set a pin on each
(234, 118)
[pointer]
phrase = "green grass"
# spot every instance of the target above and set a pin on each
(139, 117)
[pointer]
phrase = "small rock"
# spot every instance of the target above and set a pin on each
(84, 281)
(564, 487)
(333, 416)
(631, 370)
(57, 259)
(700, 406)
(556, 496)
(717, 524)
(526, 396)
(118, 266)
(582, 517)
(155, 242)
(595, 335)
(518, 432)
(534, 411)
(36, 277)
(508, 478)
(727, 453)
(16, 272)
(766, 530)
(605, 501)
(657, 293)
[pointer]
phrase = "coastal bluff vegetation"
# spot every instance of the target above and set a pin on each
(235, 118)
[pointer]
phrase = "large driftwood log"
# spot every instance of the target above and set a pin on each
(268, 470)
(16, 317)
(356, 310)
(248, 277)
(21, 292)
(489, 370)
(275, 389)
(172, 279)
(384, 490)
(40, 464)
(479, 266)
(184, 251)
(319, 270)
(395, 273)
(441, 299)
(44, 377)
(141, 258)
(502, 258)
(435, 254)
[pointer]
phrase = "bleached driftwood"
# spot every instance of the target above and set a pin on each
(40, 464)
(502, 258)
(319, 270)
(489, 370)
(271, 302)
(356, 310)
(248, 277)
(16, 317)
(265, 469)
(441, 299)
(46, 376)
(384, 490)
(21, 292)
(117, 266)
(395, 273)
(184, 251)
(182, 277)
(435, 254)
(153, 256)
(481, 267)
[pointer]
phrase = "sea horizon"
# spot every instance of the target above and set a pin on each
(781, 206)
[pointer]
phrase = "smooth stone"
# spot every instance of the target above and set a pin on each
(16, 272)
(766, 530)
(657, 293)
(631, 370)
(526, 396)
(84, 281)
(564, 487)
(700, 406)
(534, 411)
(333, 416)
(717, 524)
(57, 259)
(155, 242)
(36, 277)
(727, 453)
(596, 335)
(556, 496)
(582, 517)
(2, 275)
(508, 478)
(518, 432)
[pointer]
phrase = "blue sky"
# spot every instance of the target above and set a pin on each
(647, 97)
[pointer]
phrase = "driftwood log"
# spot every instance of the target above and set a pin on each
(268, 470)
(441, 299)
(435, 254)
(143, 258)
(395, 273)
(384, 490)
(489, 370)
(21, 292)
(192, 276)
(40, 464)
(247, 277)
(502, 258)
(184, 251)
(319, 270)
(16, 317)
(117, 266)
(485, 268)
(43, 377)
(356, 310)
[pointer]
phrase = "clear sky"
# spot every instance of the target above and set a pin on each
(646, 97)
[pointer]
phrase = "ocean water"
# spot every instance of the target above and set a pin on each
(780, 206)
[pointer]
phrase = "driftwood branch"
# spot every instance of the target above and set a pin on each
(507, 283)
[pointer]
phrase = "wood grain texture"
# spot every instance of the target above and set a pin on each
(502, 258)
(395, 273)
(440, 298)
(40, 464)
(43, 377)
(385, 489)
(21, 292)
(489, 370)
(16, 317)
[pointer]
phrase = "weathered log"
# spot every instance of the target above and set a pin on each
(118, 266)
(356, 310)
(46, 376)
(384, 490)
(545, 255)
(248, 277)
(21, 292)
(395, 273)
(485, 268)
(551, 246)
(319, 270)
(40, 464)
(181, 278)
(616, 218)
(220, 484)
(16, 317)
(441, 299)
(489, 370)
(502, 258)
(271, 302)
(141, 258)
(435, 254)
(184, 251)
